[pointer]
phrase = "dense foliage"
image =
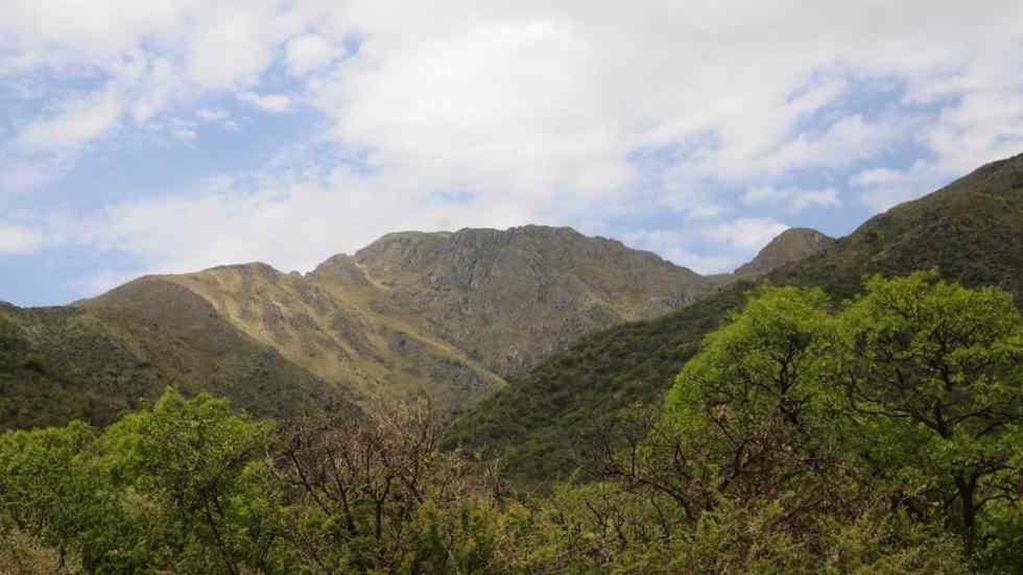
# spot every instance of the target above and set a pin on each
(910, 396)
(882, 435)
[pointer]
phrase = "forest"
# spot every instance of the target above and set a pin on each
(879, 434)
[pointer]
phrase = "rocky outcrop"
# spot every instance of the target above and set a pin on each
(509, 297)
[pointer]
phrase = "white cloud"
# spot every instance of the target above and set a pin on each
(212, 114)
(20, 175)
(793, 199)
(289, 225)
(151, 86)
(307, 53)
(676, 246)
(498, 106)
(19, 240)
(74, 123)
(985, 125)
(276, 103)
(62, 32)
(235, 46)
(882, 188)
(710, 247)
(745, 233)
(845, 142)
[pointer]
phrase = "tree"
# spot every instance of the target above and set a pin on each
(933, 374)
(46, 492)
(188, 467)
(748, 405)
(911, 394)
(377, 494)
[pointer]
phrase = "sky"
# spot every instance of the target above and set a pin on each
(165, 137)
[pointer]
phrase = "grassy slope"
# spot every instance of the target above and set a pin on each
(534, 421)
(91, 362)
(336, 333)
(972, 230)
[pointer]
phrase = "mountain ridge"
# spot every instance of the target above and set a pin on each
(447, 314)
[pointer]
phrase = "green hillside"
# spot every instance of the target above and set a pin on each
(971, 230)
(92, 363)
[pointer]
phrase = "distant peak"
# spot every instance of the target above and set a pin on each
(790, 246)
(254, 268)
(416, 245)
(799, 234)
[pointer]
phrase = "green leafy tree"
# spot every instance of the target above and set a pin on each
(46, 492)
(186, 468)
(933, 374)
(910, 395)
(748, 407)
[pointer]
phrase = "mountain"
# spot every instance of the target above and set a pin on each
(448, 314)
(510, 297)
(971, 231)
(791, 246)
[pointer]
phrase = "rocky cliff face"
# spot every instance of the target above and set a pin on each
(508, 298)
(791, 246)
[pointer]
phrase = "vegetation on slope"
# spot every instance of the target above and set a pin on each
(878, 436)
(331, 331)
(63, 363)
(971, 231)
(532, 425)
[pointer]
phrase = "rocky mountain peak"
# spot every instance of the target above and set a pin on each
(792, 245)
(508, 297)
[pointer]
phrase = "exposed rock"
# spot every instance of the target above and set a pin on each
(510, 297)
